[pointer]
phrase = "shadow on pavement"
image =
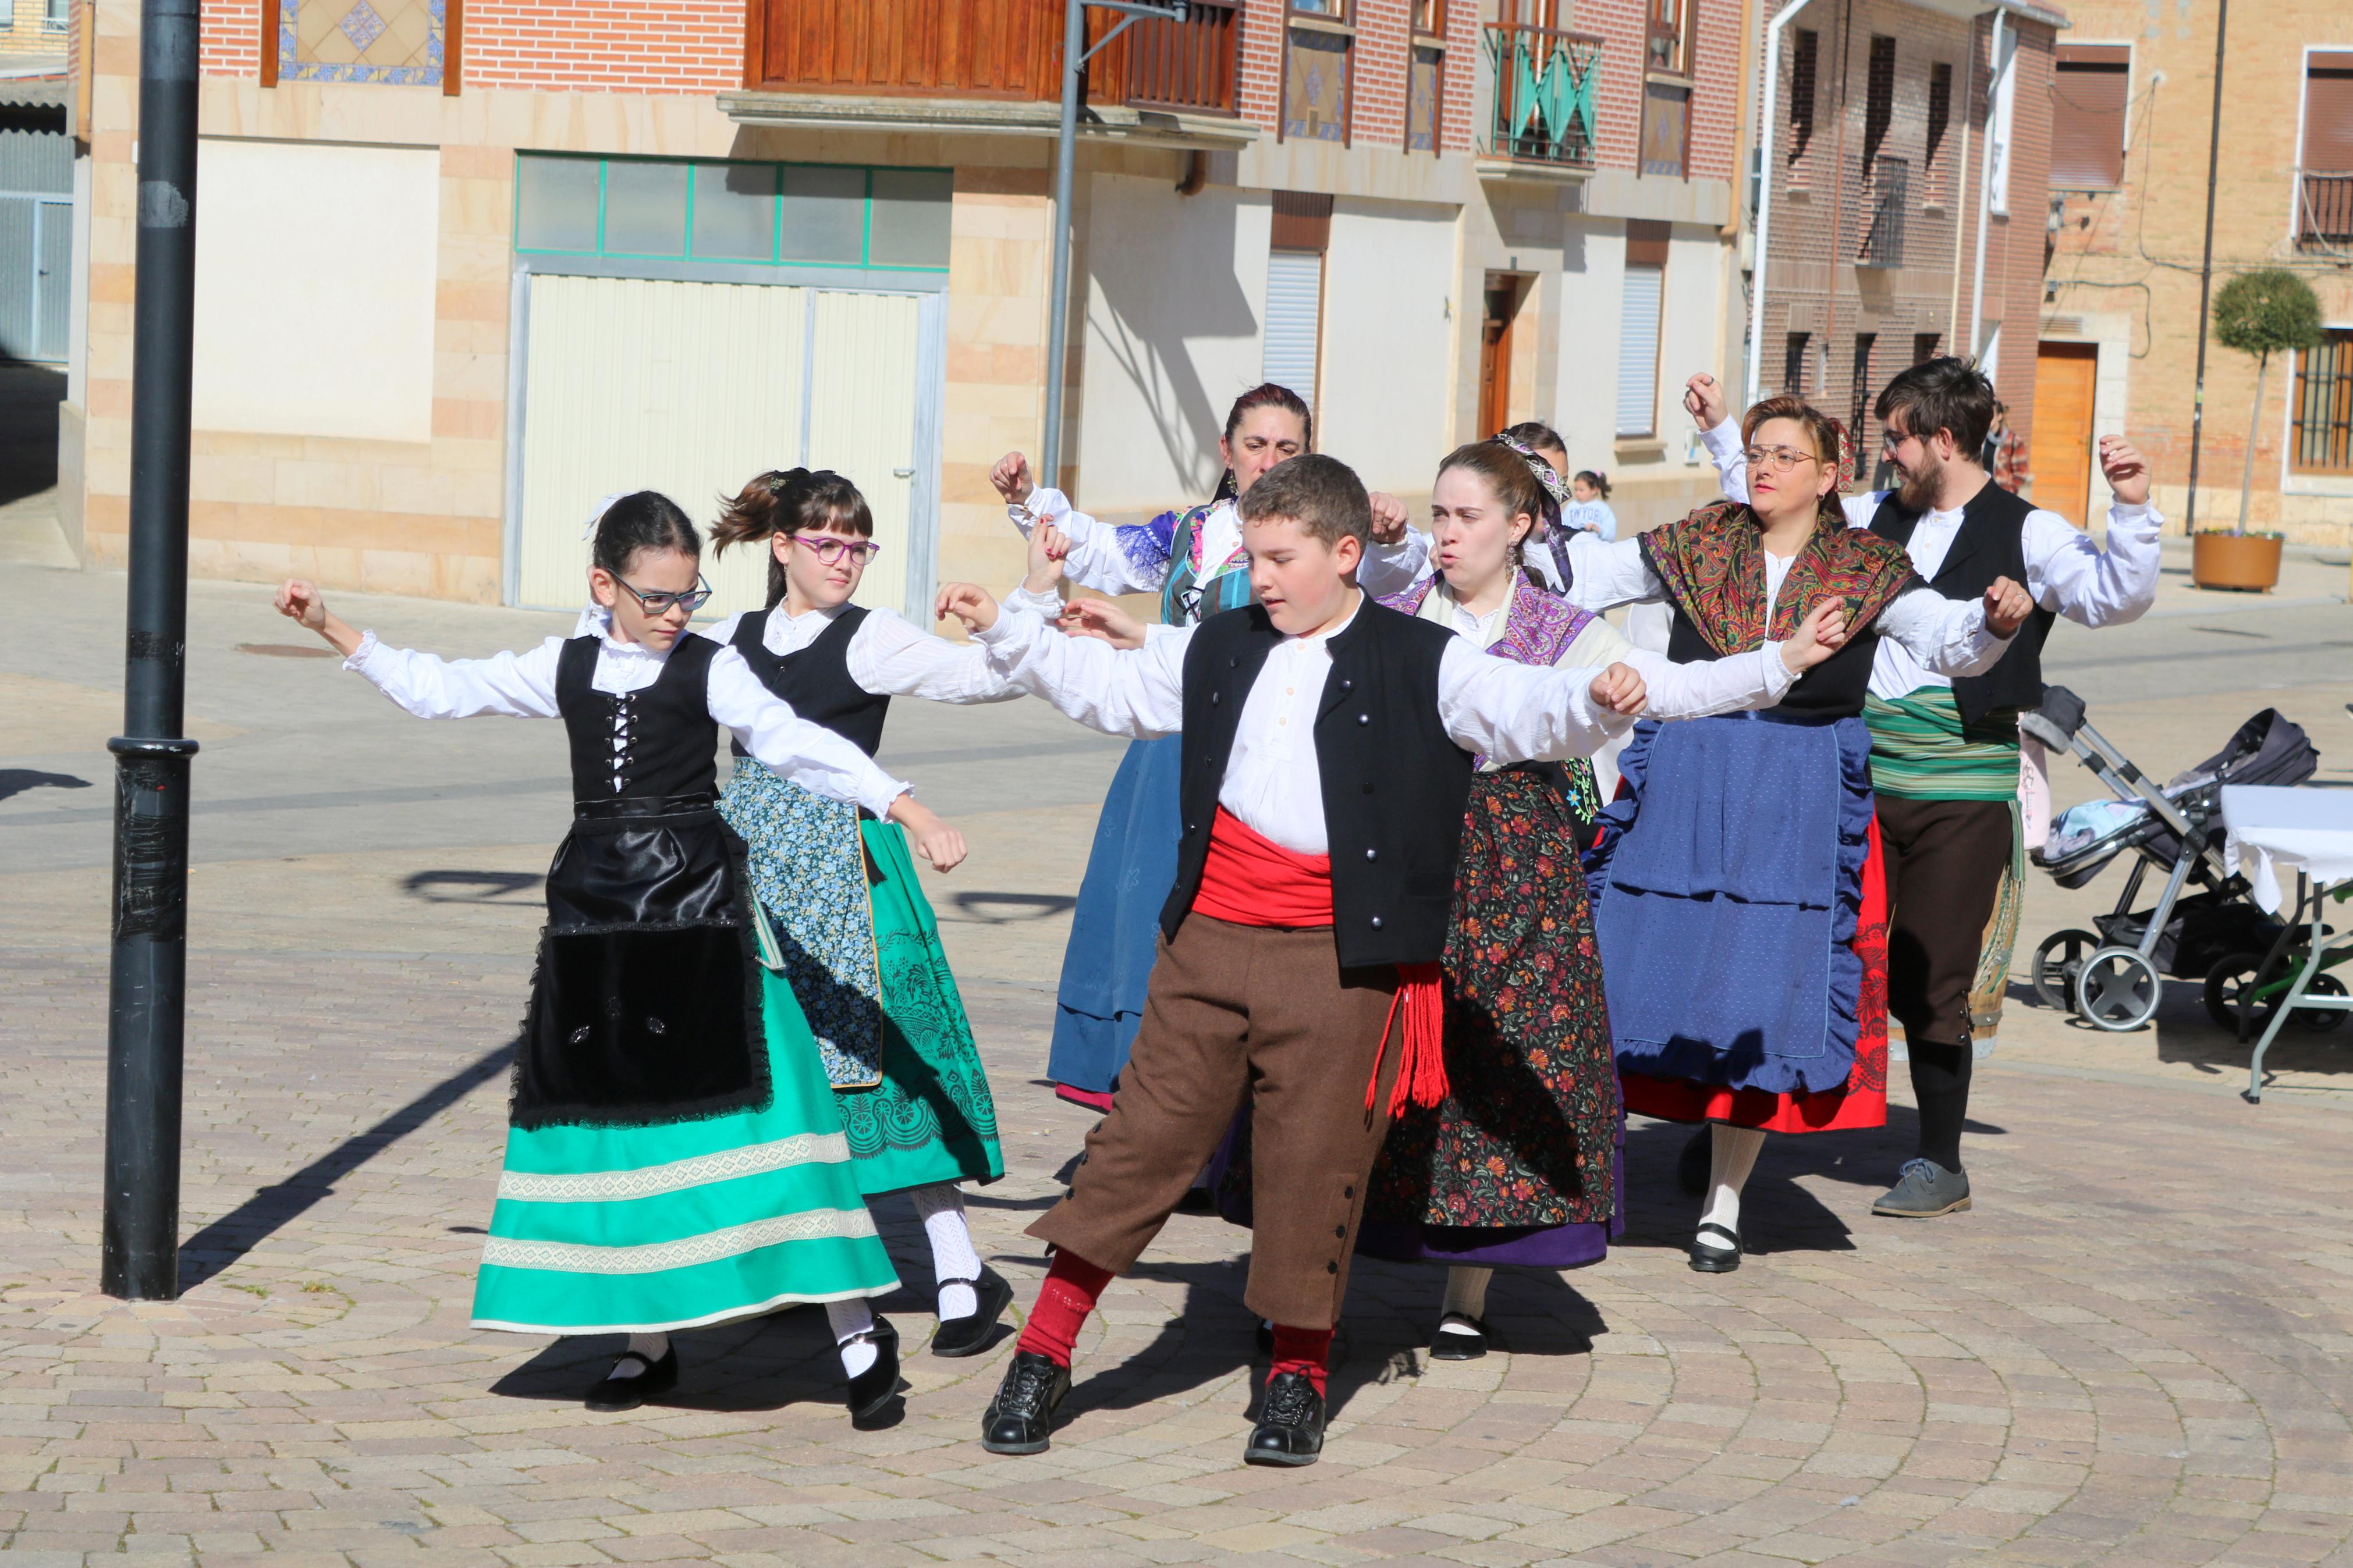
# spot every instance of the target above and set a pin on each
(270, 1209)
(29, 395)
(16, 781)
(786, 1357)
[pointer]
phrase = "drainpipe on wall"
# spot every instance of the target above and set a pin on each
(1765, 124)
(2001, 68)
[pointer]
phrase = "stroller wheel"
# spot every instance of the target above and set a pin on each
(2228, 985)
(2057, 962)
(2320, 1020)
(2118, 990)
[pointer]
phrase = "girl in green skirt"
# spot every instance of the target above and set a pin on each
(853, 935)
(675, 1156)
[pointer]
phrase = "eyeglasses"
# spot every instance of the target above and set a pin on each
(828, 550)
(691, 601)
(1777, 460)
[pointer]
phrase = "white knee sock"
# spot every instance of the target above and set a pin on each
(1732, 1155)
(647, 1348)
(1466, 1294)
(941, 1208)
(847, 1320)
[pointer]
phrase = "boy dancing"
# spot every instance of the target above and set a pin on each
(1328, 749)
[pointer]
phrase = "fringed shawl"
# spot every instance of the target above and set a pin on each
(1712, 564)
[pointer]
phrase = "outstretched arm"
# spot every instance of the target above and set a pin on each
(1137, 693)
(1511, 712)
(1605, 573)
(1128, 558)
(1956, 636)
(810, 756)
(511, 684)
(1741, 681)
(2094, 587)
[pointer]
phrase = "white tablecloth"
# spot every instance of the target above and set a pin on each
(2274, 833)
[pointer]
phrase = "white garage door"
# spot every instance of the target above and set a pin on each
(692, 389)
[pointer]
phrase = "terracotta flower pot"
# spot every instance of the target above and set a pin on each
(2240, 563)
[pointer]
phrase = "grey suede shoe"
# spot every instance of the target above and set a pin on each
(1925, 1191)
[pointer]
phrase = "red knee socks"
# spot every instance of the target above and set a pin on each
(1068, 1294)
(1304, 1351)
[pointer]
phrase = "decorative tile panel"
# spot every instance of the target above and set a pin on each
(395, 42)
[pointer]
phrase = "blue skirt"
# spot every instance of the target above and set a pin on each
(1728, 898)
(1115, 930)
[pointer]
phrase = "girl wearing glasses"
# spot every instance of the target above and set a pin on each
(1518, 1166)
(674, 1157)
(1194, 561)
(1746, 965)
(857, 942)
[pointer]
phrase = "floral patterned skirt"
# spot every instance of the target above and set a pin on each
(1525, 1141)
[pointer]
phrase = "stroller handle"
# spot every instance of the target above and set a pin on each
(2062, 714)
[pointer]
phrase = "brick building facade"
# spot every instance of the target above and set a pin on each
(2120, 317)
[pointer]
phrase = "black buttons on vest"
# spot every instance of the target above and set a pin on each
(1376, 922)
(1191, 828)
(1347, 1192)
(1364, 717)
(1234, 662)
(1368, 786)
(1340, 1232)
(1332, 1268)
(1215, 698)
(1372, 854)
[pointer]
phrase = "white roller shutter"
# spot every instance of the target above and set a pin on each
(1638, 351)
(1294, 312)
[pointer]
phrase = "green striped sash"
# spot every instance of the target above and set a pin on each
(1920, 749)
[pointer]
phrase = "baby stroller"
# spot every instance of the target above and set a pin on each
(2112, 979)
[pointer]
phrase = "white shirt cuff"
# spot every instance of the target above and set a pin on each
(1008, 628)
(357, 662)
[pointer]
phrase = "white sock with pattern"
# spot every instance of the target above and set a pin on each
(941, 1208)
(1466, 1297)
(847, 1320)
(648, 1349)
(1732, 1155)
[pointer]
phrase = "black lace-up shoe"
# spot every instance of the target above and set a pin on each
(1290, 1423)
(1022, 1414)
(619, 1392)
(969, 1335)
(872, 1389)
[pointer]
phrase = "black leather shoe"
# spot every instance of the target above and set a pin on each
(1454, 1342)
(1720, 1258)
(969, 1335)
(1022, 1414)
(1290, 1423)
(872, 1389)
(627, 1392)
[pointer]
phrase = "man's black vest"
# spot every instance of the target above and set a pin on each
(1989, 543)
(1395, 783)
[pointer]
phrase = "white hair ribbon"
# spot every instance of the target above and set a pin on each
(598, 516)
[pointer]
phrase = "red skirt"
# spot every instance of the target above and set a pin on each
(1861, 1101)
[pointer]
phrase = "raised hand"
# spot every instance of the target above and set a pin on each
(302, 601)
(2125, 470)
(970, 603)
(1704, 399)
(932, 838)
(1388, 518)
(1620, 689)
(1012, 478)
(1047, 547)
(1102, 619)
(2006, 605)
(1819, 634)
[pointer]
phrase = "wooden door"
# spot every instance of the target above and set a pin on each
(1495, 362)
(2059, 448)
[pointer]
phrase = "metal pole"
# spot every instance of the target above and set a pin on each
(1766, 174)
(1985, 181)
(2206, 271)
(1074, 46)
(140, 1251)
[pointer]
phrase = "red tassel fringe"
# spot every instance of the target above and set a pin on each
(1421, 1073)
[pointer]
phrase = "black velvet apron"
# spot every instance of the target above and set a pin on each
(646, 1008)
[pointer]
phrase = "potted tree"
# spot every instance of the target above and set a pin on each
(2259, 313)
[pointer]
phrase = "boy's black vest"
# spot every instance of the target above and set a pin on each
(816, 680)
(1989, 543)
(1395, 784)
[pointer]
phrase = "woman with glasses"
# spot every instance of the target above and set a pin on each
(1194, 561)
(674, 1156)
(855, 938)
(1738, 902)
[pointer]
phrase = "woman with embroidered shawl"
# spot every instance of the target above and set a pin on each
(1747, 970)
(1194, 561)
(854, 937)
(1516, 1166)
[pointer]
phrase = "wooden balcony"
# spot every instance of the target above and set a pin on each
(2325, 214)
(1545, 83)
(979, 66)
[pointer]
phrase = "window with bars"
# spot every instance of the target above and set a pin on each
(1864, 345)
(1940, 120)
(1879, 99)
(1793, 362)
(1883, 242)
(2325, 181)
(2324, 406)
(1805, 59)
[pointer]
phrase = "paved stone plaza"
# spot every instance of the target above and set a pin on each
(2135, 1350)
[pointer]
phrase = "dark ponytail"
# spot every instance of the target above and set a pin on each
(786, 501)
(1599, 481)
(646, 521)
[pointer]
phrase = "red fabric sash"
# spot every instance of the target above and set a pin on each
(1249, 879)
(1252, 880)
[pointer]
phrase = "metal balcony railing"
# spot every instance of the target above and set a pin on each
(1883, 242)
(2325, 212)
(1544, 82)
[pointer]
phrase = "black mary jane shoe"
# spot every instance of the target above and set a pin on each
(1452, 1342)
(1290, 1428)
(1722, 1260)
(617, 1392)
(872, 1389)
(1020, 1419)
(969, 1335)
